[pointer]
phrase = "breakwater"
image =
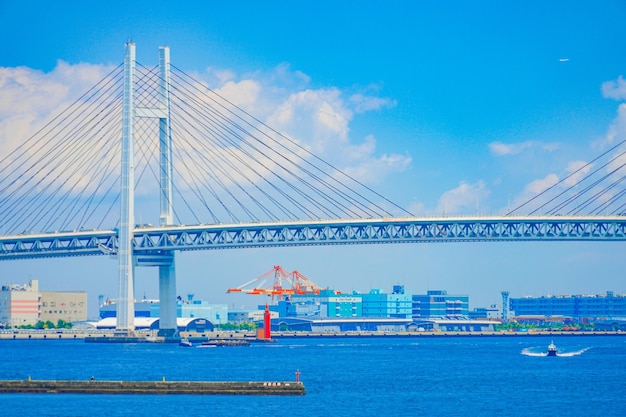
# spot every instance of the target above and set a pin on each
(151, 387)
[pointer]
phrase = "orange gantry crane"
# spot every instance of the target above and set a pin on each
(282, 284)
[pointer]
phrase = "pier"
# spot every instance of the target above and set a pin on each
(151, 387)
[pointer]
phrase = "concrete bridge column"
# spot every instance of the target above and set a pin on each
(167, 296)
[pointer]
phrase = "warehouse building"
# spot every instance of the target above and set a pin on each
(578, 307)
(25, 305)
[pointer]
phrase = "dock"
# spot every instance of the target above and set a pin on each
(151, 387)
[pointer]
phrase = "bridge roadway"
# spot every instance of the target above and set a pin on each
(153, 244)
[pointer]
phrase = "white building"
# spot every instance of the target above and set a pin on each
(19, 304)
(62, 305)
(23, 305)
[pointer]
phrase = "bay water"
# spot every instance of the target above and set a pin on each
(356, 376)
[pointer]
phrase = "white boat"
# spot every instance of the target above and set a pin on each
(185, 343)
(552, 351)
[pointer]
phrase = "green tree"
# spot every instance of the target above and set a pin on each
(62, 324)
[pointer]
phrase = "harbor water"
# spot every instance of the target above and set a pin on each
(365, 376)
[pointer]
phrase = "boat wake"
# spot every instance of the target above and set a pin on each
(576, 353)
(535, 352)
(528, 352)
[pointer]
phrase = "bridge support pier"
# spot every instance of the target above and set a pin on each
(167, 304)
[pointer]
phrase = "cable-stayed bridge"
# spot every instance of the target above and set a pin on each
(84, 183)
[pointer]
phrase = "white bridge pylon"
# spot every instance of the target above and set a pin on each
(126, 257)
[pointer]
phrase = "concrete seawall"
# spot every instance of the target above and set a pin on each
(151, 387)
(95, 336)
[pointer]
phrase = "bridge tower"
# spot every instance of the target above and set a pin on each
(126, 258)
(125, 303)
(167, 270)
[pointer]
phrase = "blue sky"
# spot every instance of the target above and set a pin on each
(464, 106)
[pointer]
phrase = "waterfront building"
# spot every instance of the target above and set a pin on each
(454, 325)
(327, 303)
(340, 325)
(143, 308)
(19, 304)
(438, 304)
(395, 305)
(215, 313)
(190, 308)
(149, 323)
(63, 305)
(579, 307)
(492, 313)
(25, 305)
(612, 325)
(249, 316)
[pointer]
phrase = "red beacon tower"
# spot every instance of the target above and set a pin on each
(267, 323)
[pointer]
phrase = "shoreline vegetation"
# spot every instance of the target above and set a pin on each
(64, 334)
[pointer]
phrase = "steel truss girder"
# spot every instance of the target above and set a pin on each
(159, 240)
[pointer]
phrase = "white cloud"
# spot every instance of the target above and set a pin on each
(618, 163)
(614, 89)
(531, 190)
(502, 149)
(576, 172)
(317, 119)
(464, 199)
(539, 185)
(222, 76)
(617, 130)
(363, 103)
(243, 94)
(28, 97)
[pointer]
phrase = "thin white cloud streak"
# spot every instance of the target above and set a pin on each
(503, 149)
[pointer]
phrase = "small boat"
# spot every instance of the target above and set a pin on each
(185, 343)
(225, 342)
(552, 349)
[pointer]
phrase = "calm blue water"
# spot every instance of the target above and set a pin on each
(448, 376)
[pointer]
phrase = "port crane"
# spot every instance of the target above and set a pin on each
(282, 284)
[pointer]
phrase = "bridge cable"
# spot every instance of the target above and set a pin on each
(302, 149)
(282, 167)
(544, 192)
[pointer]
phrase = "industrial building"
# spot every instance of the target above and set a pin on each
(24, 305)
(578, 307)
(327, 303)
(492, 312)
(398, 304)
(340, 325)
(190, 308)
(331, 304)
(454, 325)
(248, 316)
(438, 304)
(68, 306)
(149, 323)
(19, 304)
